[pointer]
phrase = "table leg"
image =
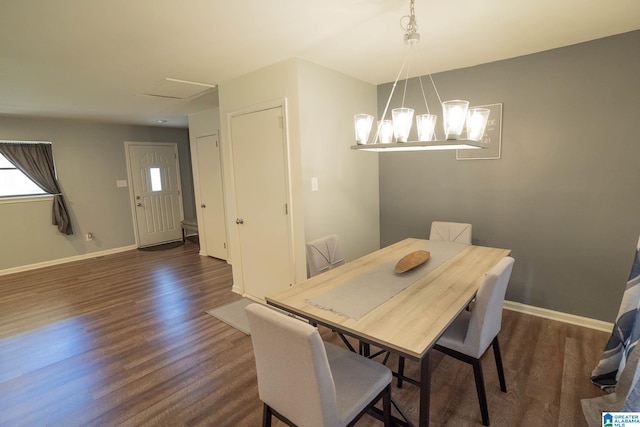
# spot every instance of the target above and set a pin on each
(365, 349)
(425, 389)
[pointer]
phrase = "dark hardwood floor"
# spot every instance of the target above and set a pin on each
(125, 340)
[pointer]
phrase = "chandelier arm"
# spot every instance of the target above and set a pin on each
(424, 96)
(435, 88)
(437, 95)
(433, 84)
(406, 76)
(386, 107)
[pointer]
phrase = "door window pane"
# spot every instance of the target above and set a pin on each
(156, 181)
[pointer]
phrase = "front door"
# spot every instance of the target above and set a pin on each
(155, 188)
(261, 195)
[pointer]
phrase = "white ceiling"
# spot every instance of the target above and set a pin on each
(96, 59)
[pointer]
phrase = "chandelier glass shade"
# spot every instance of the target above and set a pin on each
(363, 127)
(477, 119)
(454, 114)
(385, 131)
(426, 125)
(402, 119)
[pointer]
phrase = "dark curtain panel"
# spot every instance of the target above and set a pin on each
(36, 161)
(625, 335)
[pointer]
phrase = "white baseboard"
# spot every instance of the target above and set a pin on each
(65, 260)
(559, 316)
(254, 299)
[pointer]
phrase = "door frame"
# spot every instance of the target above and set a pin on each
(238, 278)
(132, 197)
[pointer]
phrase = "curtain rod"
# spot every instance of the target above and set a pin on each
(4, 141)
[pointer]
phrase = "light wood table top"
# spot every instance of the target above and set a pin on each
(411, 321)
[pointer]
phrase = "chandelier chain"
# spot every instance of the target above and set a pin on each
(411, 27)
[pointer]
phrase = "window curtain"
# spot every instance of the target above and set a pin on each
(625, 335)
(36, 161)
(626, 398)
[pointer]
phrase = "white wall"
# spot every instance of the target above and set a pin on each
(204, 123)
(320, 108)
(347, 200)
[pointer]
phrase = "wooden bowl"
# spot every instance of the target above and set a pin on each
(412, 260)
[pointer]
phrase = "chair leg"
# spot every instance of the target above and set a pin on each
(400, 371)
(266, 415)
(482, 396)
(498, 357)
(386, 406)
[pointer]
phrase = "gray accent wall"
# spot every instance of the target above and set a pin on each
(565, 196)
(89, 158)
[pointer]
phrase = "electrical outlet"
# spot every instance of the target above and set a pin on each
(88, 236)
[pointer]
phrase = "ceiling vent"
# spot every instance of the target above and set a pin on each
(178, 89)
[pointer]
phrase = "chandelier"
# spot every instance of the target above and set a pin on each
(392, 134)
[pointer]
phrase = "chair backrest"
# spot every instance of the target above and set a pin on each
(450, 232)
(323, 254)
(294, 377)
(486, 315)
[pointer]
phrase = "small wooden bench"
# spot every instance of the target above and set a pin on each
(188, 224)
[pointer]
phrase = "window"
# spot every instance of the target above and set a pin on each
(156, 181)
(14, 183)
(35, 158)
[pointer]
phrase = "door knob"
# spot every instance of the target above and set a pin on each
(139, 204)
(239, 221)
(203, 205)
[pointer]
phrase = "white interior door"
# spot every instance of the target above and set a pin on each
(155, 188)
(213, 234)
(261, 195)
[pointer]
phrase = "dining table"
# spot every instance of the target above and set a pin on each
(401, 312)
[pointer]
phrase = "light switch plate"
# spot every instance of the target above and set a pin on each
(314, 183)
(121, 183)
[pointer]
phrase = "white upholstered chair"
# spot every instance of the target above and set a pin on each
(306, 382)
(451, 232)
(323, 254)
(472, 332)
